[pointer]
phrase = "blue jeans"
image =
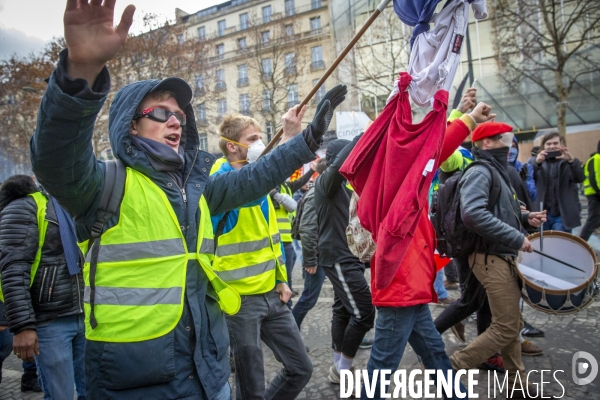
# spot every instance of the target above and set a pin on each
(61, 359)
(555, 224)
(6, 340)
(438, 285)
(395, 326)
(310, 294)
(290, 260)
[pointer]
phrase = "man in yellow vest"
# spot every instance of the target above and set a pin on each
(154, 307)
(249, 258)
(591, 189)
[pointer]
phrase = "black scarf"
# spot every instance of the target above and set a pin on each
(498, 158)
(161, 156)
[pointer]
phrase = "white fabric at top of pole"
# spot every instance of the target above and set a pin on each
(435, 54)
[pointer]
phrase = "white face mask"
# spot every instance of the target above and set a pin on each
(255, 150)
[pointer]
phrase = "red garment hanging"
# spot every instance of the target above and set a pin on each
(391, 169)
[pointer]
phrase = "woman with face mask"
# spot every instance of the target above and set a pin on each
(525, 170)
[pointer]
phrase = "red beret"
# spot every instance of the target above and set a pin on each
(488, 129)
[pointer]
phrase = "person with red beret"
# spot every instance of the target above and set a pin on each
(493, 262)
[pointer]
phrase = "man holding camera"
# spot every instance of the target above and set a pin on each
(557, 174)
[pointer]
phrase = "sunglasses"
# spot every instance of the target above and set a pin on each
(160, 115)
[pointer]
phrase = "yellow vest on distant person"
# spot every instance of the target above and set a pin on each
(284, 218)
(592, 164)
(140, 277)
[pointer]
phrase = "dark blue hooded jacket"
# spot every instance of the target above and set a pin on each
(192, 361)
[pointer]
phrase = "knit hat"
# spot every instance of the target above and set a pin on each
(489, 129)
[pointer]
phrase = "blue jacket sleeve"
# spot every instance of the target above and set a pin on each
(62, 157)
(530, 182)
(233, 189)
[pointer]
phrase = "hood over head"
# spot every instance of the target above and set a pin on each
(333, 149)
(123, 108)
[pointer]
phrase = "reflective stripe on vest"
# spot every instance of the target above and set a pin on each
(142, 265)
(592, 167)
(284, 217)
(42, 204)
(249, 256)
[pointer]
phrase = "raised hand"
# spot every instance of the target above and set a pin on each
(325, 109)
(468, 100)
(91, 37)
(482, 113)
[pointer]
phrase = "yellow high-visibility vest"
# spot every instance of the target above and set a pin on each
(141, 271)
(592, 166)
(42, 203)
(249, 257)
(284, 218)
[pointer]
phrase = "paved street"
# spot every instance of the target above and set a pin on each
(564, 336)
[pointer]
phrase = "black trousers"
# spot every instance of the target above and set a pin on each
(353, 310)
(473, 298)
(593, 220)
(451, 272)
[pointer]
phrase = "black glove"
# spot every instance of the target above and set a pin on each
(325, 109)
(523, 173)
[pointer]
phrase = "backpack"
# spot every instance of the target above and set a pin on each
(453, 237)
(360, 240)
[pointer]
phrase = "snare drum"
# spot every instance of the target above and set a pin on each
(553, 287)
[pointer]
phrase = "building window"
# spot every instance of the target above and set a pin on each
(266, 37)
(290, 63)
(270, 131)
(202, 32)
(289, 30)
(320, 92)
(242, 43)
(317, 57)
(203, 138)
(289, 8)
(245, 104)
(222, 107)
(292, 95)
(244, 21)
(267, 67)
(201, 111)
(266, 13)
(221, 27)
(220, 50)
(316, 4)
(266, 100)
(242, 75)
(200, 82)
(221, 79)
(180, 39)
(315, 23)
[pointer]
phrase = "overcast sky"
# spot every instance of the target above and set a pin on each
(26, 25)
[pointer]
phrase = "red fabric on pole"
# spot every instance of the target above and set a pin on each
(440, 262)
(386, 168)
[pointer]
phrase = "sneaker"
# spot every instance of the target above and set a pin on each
(450, 285)
(366, 343)
(459, 331)
(334, 377)
(494, 363)
(530, 349)
(531, 331)
(446, 302)
(29, 382)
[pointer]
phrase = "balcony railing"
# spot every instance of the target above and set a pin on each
(202, 121)
(291, 104)
(316, 65)
(290, 70)
(246, 111)
(220, 86)
(242, 82)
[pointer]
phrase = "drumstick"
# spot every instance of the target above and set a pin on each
(557, 260)
(542, 229)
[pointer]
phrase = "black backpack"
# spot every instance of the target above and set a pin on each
(453, 237)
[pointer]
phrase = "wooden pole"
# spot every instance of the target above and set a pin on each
(332, 67)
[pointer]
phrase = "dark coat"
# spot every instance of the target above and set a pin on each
(192, 361)
(55, 292)
(570, 175)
